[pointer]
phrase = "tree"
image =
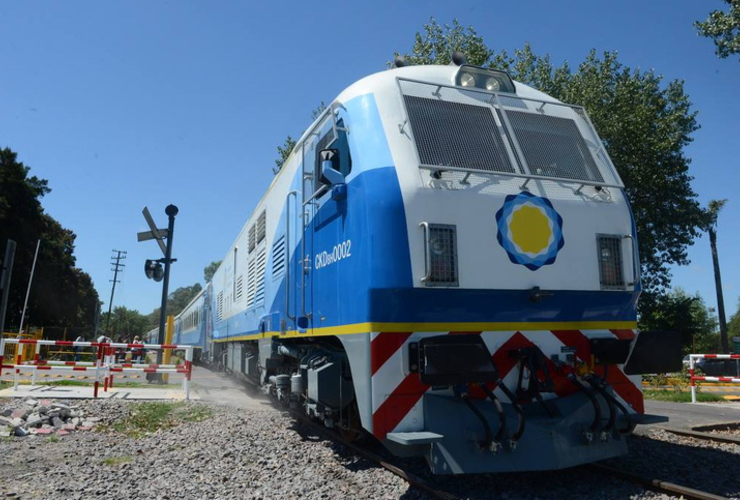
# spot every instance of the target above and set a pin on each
(62, 294)
(690, 317)
(724, 29)
(733, 326)
(644, 123)
(713, 214)
(284, 152)
(289, 143)
(176, 302)
(125, 323)
(210, 270)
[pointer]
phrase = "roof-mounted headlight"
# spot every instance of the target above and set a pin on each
(488, 79)
(467, 80)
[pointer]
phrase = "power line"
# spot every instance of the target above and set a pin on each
(117, 266)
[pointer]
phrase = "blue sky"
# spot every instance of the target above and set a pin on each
(122, 105)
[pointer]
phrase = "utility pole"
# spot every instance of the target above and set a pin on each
(121, 255)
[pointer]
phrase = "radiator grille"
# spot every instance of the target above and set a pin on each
(459, 135)
(553, 147)
(251, 281)
(261, 226)
(220, 306)
(502, 134)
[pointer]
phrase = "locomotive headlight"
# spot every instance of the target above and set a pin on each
(492, 84)
(437, 246)
(467, 80)
(491, 80)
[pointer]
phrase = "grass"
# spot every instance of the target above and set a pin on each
(52, 439)
(4, 384)
(681, 397)
(152, 416)
(123, 459)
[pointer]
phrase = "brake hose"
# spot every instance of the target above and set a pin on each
(486, 427)
(609, 401)
(499, 410)
(597, 409)
(518, 409)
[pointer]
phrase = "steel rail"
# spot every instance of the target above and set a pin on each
(657, 484)
(707, 436)
(409, 477)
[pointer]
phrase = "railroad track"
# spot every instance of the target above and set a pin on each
(411, 478)
(656, 484)
(653, 484)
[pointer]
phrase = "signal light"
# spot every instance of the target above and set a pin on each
(154, 270)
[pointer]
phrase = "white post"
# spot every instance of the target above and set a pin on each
(691, 373)
(189, 360)
(35, 360)
(17, 379)
(28, 291)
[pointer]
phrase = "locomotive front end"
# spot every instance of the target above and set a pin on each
(515, 346)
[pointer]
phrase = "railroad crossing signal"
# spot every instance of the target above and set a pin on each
(154, 270)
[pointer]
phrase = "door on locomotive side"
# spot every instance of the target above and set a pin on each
(326, 162)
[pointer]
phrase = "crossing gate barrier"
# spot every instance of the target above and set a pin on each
(104, 367)
(694, 378)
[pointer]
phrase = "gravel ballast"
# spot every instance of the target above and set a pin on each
(264, 453)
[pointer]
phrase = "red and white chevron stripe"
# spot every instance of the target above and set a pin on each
(397, 393)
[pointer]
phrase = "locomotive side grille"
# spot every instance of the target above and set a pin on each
(220, 306)
(278, 257)
(251, 281)
(252, 237)
(609, 249)
(259, 295)
(452, 134)
(239, 288)
(443, 252)
(553, 147)
(261, 226)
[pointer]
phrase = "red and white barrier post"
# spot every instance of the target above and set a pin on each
(694, 378)
(105, 363)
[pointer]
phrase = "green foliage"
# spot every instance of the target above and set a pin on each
(124, 323)
(644, 122)
(176, 302)
(681, 397)
(210, 270)
(289, 144)
(724, 29)
(152, 416)
(687, 315)
(123, 459)
(437, 43)
(62, 294)
(733, 326)
(284, 152)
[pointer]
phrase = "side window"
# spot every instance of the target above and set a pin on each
(338, 142)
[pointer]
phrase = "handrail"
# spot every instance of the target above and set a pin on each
(427, 253)
(634, 260)
(287, 252)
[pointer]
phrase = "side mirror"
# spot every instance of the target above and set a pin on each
(330, 166)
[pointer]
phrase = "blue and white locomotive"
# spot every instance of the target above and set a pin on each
(447, 261)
